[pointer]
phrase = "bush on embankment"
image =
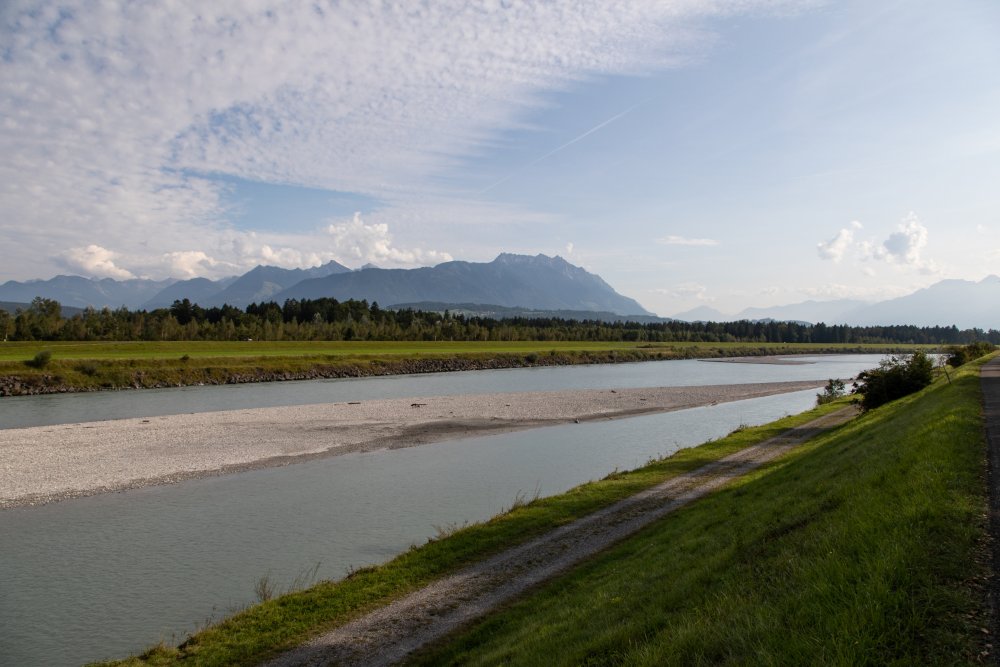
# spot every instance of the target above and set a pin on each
(895, 377)
(963, 354)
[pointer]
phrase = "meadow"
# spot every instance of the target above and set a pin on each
(56, 366)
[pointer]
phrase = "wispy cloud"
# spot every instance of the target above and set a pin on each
(682, 240)
(108, 109)
(559, 148)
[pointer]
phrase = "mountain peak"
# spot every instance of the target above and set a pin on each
(539, 259)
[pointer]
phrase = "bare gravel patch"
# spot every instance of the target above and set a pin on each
(48, 463)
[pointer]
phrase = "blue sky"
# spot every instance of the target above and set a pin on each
(720, 153)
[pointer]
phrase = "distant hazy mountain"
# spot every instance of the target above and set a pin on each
(258, 284)
(540, 282)
(196, 290)
(703, 314)
(962, 303)
(13, 306)
(830, 312)
(84, 292)
(263, 282)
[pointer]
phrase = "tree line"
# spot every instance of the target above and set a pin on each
(330, 319)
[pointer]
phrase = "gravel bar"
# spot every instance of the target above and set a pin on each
(49, 463)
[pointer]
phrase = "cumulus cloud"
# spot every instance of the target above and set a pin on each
(681, 240)
(112, 111)
(835, 248)
(569, 248)
(905, 247)
(94, 260)
(373, 243)
(193, 263)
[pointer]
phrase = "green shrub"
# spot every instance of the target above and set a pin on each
(40, 360)
(87, 368)
(894, 378)
(960, 355)
(834, 389)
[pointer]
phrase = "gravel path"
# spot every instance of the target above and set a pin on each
(389, 634)
(48, 463)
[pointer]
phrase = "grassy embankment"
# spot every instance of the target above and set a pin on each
(109, 365)
(863, 546)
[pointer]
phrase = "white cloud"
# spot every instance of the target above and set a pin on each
(110, 110)
(681, 240)
(905, 247)
(569, 248)
(835, 248)
(372, 243)
(96, 261)
(193, 263)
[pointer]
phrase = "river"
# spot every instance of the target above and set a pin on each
(103, 576)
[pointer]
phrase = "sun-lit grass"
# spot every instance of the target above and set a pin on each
(18, 351)
(88, 366)
(861, 547)
(285, 621)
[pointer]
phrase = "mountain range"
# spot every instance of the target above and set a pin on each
(962, 303)
(511, 285)
(538, 283)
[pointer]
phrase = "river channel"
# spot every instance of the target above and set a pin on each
(108, 575)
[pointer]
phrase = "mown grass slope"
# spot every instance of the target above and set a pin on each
(865, 546)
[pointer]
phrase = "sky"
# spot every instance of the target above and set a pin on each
(721, 153)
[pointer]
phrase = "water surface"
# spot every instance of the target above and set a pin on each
(20, 411)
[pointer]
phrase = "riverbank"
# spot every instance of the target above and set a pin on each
(81, 367)
(867, 544)
(50, 463)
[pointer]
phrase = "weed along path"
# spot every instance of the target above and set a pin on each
(387, 635)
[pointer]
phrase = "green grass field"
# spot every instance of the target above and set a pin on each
(862, 547)
(19, 351)
(108, 365)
